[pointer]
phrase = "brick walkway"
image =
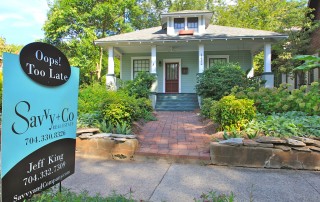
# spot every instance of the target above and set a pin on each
(175, 134)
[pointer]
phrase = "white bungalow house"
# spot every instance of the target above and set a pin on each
(184, 46)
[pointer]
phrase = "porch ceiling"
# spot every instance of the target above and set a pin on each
(253, 44)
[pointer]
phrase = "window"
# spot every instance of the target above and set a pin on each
(179, 23)
(212, 59)
(193, 23)
(140, 65)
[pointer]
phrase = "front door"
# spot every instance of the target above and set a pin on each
(172, 77)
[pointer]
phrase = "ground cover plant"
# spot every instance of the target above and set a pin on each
(285, 125)
(67, 195)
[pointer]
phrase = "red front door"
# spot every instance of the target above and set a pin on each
(172, 77)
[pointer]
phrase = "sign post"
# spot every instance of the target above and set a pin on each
(40, 93)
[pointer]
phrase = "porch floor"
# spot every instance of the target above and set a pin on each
(175, 135)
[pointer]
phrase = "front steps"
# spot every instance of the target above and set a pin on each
(177, 102)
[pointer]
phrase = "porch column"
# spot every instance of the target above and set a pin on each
(110, 78)
(153, 70)
(201, 58)
(201, 66)
(267, 74)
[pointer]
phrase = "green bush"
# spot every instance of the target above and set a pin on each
(205, 107)
(218, 80)
(269, 100)
(232, 113)
(101, 108)
(140, 86)
(286, 124)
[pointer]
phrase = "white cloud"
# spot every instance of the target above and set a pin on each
(22, 16)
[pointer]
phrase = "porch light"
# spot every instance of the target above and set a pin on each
(160, 62)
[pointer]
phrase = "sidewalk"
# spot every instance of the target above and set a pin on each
(175, 135)
(183, 182)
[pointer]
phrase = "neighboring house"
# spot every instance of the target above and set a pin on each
(312, 75)
(183, 47)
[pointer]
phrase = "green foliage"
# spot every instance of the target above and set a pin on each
(212, 196)
(180, 5)
(218, 80)
(123, 129)
(267, 101)
(66, 195)
(140, 86)
(232, 113)
(310, 62)
(205, 107)
(293, 18)
(101, 108)
(9, 48)
(87, 120)
(286, 124)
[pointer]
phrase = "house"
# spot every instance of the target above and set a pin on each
(314, 49)
(183, 47)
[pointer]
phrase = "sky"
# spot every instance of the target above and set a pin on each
(21, 21)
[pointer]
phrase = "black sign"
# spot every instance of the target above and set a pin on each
(45, 64)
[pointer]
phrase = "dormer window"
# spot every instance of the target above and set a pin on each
(193, 23)
(179, 23)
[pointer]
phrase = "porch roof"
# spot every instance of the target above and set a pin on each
(213, 32)
(216, 38)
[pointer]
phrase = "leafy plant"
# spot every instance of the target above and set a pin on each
(267, 101)
(205, 107)
(140, 85)
(88, 120)
(212, 196)
(66, 195)
(286, 124)
(106, 127)
(232, 113)
(123, 129)
(310, 62)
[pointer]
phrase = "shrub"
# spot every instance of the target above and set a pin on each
(101, 108)
(267, 101)
(140, 86)
(205, 107)
(232, 113)
(218, 80)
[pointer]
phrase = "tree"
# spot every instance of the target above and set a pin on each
(73, 25)
(290, 17)
(9, 48)
(179, 5)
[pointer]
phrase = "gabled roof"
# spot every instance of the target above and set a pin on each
(157, 34)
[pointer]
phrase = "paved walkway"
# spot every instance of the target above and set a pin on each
(156, 182)
(175, 134)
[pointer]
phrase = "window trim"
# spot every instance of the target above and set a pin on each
(139, 58)
(216, 56)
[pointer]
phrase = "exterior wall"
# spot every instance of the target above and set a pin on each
(189, 60)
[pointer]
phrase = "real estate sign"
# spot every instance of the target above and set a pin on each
(40, 93)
